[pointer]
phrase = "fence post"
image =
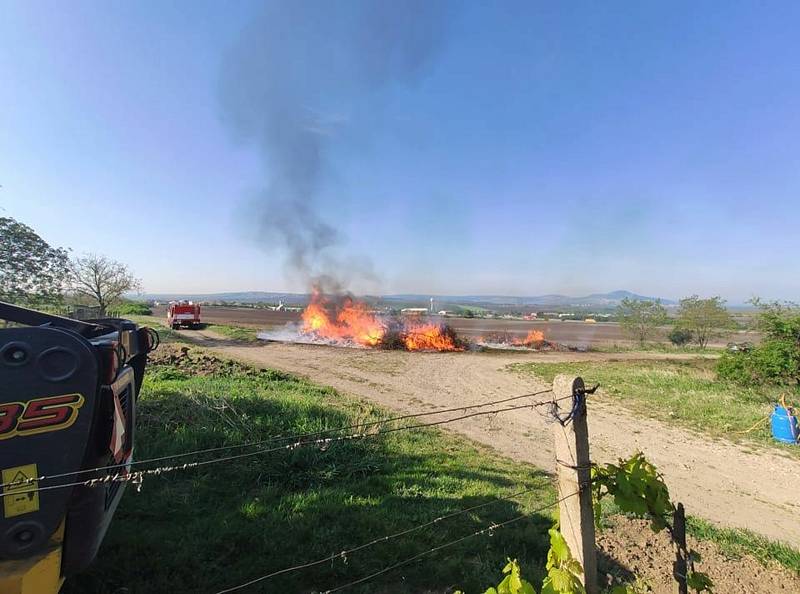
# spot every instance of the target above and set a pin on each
(573, 473)
(679, 534)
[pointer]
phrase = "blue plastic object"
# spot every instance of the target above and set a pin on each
(784, 425)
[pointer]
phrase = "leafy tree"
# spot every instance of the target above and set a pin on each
(641, 319)
(101, 280)
(31, 271)
(776, 360)
(704, 318)
(680, 336)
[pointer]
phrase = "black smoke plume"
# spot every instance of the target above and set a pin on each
(304, 76)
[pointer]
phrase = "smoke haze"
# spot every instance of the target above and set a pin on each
(287, 87)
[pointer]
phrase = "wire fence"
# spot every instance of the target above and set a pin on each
(489, 529)
(125, 475)
(323, 439)
(343, 554)
(274, 439)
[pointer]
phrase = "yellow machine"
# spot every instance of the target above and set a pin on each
(68, 393)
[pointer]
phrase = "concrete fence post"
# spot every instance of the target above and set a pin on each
(573, 473)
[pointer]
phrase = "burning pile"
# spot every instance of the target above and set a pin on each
(349, 322)
(534, 340)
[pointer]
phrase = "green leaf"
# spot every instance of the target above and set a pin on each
(558, 545)
(512, 583)
(563, 570)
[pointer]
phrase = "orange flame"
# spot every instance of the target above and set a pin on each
(428, 337)
(353, 322)
(533, 337)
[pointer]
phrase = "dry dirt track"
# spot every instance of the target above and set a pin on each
(729, 484)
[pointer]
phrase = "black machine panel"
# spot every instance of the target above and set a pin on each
(48, 391)
(68, 392)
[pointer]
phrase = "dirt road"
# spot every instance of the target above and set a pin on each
(731, 485)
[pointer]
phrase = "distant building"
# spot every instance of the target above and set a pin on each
(414, 311)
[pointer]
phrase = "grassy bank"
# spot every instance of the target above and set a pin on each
(682, 392)
(165, 333)
(737, 543)
(205, 529)
(654, 347)
(239, 333)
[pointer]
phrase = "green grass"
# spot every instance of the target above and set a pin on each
(653, 347)
(685, 393)
(165, 333)
(168, 335)
(735, 543)
(235, 332)
(208, 528)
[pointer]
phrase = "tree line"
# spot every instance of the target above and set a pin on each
(774, 361)
(698, 320)
(35, 274)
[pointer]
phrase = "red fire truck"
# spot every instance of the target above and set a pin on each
(183, 313)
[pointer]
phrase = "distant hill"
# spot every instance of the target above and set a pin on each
(595, 300)
(240, 297)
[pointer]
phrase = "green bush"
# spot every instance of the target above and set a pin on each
(132, 309)
(680, 336)
(776, 360)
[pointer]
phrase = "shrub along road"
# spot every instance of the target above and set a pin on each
(737, 485)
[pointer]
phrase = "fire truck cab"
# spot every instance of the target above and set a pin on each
(183, 313)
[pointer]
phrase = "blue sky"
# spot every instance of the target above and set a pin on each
(533, 148)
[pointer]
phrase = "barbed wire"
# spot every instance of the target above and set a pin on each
(28, 481)
(138, 476)
(492, 527)
(343, 554)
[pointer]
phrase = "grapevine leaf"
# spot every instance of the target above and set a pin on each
(504, 587)
(558, 545)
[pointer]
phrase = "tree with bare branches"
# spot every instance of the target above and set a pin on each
(102, 280)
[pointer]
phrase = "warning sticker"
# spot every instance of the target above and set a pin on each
(22, 498)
